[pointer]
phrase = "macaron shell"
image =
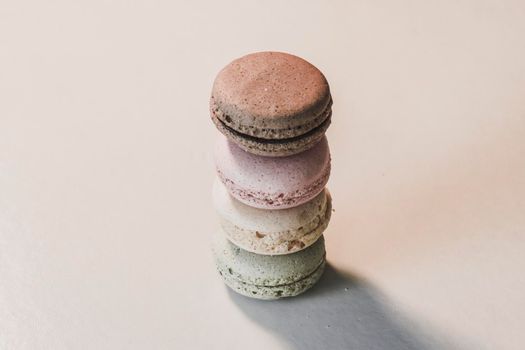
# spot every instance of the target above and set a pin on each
(272, 232)
(283, 275)
(272, 95)
(272, 182)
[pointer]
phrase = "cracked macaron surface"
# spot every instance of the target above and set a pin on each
(268, 277)
(272, 232)
(272, 182)
(271, 103)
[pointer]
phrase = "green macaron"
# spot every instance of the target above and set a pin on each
(268, 277)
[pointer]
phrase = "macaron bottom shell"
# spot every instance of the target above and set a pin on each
(273, 292)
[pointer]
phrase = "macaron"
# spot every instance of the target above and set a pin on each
(272, 232)
(272, 182)
(268, 277)
(271, 103)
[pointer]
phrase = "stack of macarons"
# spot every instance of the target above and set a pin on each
(272, 163)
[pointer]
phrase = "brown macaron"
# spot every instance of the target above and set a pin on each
(271, 103)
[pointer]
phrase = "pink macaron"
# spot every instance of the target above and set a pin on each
(272, 182)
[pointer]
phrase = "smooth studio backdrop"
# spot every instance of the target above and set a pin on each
(106, 174)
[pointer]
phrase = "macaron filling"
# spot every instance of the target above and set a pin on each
(323, 126)
(269, 134)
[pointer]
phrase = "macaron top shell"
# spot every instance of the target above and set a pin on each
(271, 95)
(272, 182)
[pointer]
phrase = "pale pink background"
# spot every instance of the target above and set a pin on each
(106, 172)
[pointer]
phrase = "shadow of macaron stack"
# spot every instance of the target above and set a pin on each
(273, 162)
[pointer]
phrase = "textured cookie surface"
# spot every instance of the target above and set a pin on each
(271, 103)
(272, 182)
(268, 277)
(272, 232)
